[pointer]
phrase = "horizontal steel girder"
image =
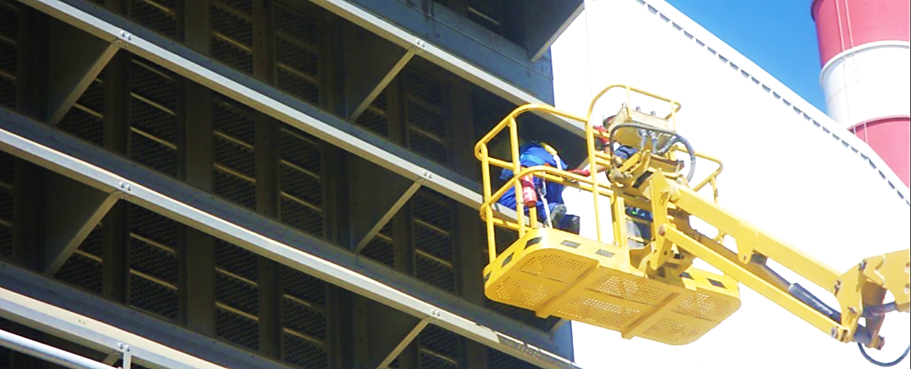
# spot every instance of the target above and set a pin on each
(61, 153)
(47, 352)
(41, 303)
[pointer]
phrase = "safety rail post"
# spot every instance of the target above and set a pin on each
(593, 171)
(533, 216)
(629, 99)
(617, 216)
(714, 182)
(517, 167)
(488, 212)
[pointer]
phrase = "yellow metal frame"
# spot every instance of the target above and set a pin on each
(532, 273)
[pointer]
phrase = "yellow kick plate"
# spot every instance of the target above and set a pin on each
(556, 273)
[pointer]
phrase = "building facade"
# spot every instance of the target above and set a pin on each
(264, 184)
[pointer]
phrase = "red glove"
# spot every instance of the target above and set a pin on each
(581, 172)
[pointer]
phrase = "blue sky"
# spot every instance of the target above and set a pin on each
(778, 35)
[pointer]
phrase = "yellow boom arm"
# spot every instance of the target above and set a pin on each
(654, 292)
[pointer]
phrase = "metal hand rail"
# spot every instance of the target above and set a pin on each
(49, 353)
(711, 178)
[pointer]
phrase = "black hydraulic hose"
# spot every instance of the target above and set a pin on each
(814, 302)
(667, 146)
(882, 364)
(681, 139)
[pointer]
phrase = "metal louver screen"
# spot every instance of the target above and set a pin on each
(300, 181)
(153, 260)
(7, 168)
(438, 349)
(236, 295)
(432, 234)
(85, 268)
(85, 119)
(232, 33)
(9, 55)
(487, 111)
(304, 324)
(424, 109)
(234, 154)
(381, 247)
(375, 117)
(159, 15)
(153, 116)
(297, 44)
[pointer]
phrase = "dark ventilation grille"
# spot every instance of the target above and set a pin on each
(499, 360)
(235, 157)
(300, 181)
(432, 234)
(375, 117)
(153, 116)
(232, 33)
(84, 268)
(85, 118)
(438, 348)
(7, 168)
(304, 320)
(236, 296)
(297, 53)
(424, 114)
(153, 263)
(159, 15)
(486, 112)
(487, 13)
(381, 247)
(9, 56)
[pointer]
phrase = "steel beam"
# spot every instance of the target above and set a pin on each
(93, 166)
(370, 64)
(438, 55)
(50, 306)
(72, 211)
(76, 58)
(402, 200)
(403, 343)
(48, 353)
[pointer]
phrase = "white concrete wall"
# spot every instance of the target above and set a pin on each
(789, 169)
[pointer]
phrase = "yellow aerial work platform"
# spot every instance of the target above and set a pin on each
(561, 274)
(654, 292)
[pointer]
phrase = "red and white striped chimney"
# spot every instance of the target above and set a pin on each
(866, 57)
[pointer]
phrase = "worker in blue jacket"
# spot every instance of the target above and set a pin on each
(534, 154)
(622, 153)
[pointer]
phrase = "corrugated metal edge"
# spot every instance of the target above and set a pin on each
(739, 63)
